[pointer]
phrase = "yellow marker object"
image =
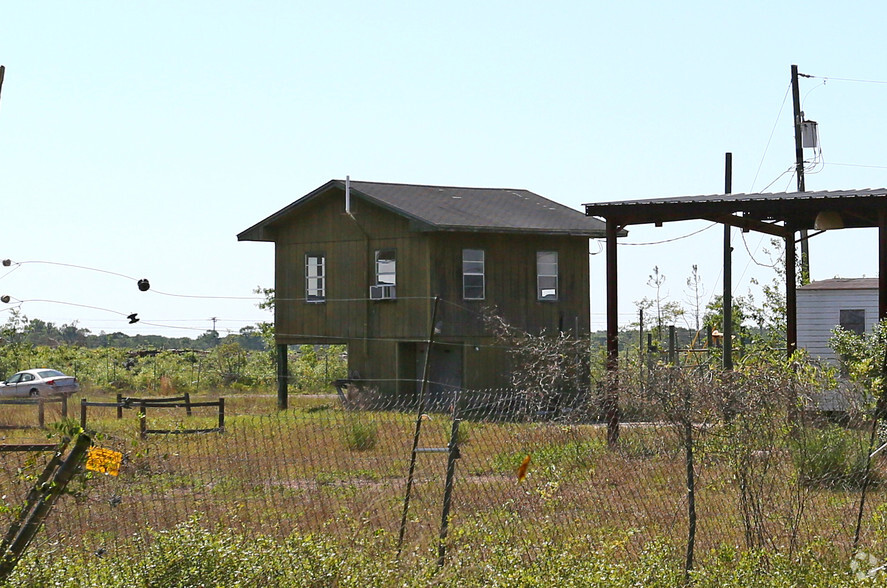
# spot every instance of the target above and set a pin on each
(104, 461)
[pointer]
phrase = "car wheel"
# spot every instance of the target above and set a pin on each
(34, 393)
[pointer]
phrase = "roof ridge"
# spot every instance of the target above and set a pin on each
(353, 181)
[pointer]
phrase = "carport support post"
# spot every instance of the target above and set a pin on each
(611, 402)
(727, 300)
(791, 298)
(882, 265)
(282, 377)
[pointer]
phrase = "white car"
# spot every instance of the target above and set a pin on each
(40, 382)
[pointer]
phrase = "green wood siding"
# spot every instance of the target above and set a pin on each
(381, 335)
(510, 267)
(348, 243)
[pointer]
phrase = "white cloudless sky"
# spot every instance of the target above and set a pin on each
(139, 139)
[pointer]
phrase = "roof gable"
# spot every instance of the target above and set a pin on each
(446, 208)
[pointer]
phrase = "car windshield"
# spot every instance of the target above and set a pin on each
(50, 373)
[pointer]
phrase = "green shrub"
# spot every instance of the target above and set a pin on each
(193, 555)
(831, 457)
(361, 435)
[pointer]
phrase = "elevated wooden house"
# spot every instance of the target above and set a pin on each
(361, 263)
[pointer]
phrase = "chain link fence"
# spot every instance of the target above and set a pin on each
(703, 460)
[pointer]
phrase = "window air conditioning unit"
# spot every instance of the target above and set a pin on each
(383, 292)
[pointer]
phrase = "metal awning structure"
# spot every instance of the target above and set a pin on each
(778, 214)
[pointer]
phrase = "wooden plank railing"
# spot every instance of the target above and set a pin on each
(41, 409)
(144, 403)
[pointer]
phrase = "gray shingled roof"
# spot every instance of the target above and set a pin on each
(446, 208)
(842, 284)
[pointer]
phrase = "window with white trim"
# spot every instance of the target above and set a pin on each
(546, 275)
(315, 277)
(386, 267)
(473, 278)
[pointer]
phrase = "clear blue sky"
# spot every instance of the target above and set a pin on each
(140, 138)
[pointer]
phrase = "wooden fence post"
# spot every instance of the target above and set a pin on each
(187, 403)
(41, 414)
(119, 406)
(672, 346)
(64, 407)
(83, 413)
(143, 421)
(221, 415)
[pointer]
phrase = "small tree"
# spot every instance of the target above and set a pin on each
(696, 293)
(544, 366)
(863, 357)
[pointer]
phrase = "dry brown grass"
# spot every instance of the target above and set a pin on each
(278, 472)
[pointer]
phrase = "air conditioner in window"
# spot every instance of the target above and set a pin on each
(383, 292)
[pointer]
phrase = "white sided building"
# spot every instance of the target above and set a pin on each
(851, 303)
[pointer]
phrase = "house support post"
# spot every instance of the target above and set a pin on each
(282, 377)
(611, 402)
(791, 298)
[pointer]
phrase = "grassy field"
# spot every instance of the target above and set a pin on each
(323, 487)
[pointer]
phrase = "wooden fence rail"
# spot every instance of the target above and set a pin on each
(144, 403)
(15, 447)
(41, 409)
(129, 401)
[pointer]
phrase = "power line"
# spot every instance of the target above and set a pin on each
(856, 80)
(668, 240)
(770, 139)
(859, 165)
(18, 264)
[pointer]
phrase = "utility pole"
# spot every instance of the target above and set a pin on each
(799, 169)
(214, 319)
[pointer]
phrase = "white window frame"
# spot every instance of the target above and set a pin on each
(547, 285)
(386, 267)
(315, 277)
(471, 270)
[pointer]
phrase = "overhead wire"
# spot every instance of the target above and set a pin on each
(770, 139)
(856, 80)
(826, 79)
(10, 271)
(790, 170)
(859, 165)
(18, 303)
(118, 274)
(667, 240)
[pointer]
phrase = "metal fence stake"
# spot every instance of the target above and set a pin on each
(448, 492)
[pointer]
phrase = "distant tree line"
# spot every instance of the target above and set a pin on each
(19, 329)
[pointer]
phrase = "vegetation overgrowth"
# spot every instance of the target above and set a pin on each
(312, 496)
(190, 555)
